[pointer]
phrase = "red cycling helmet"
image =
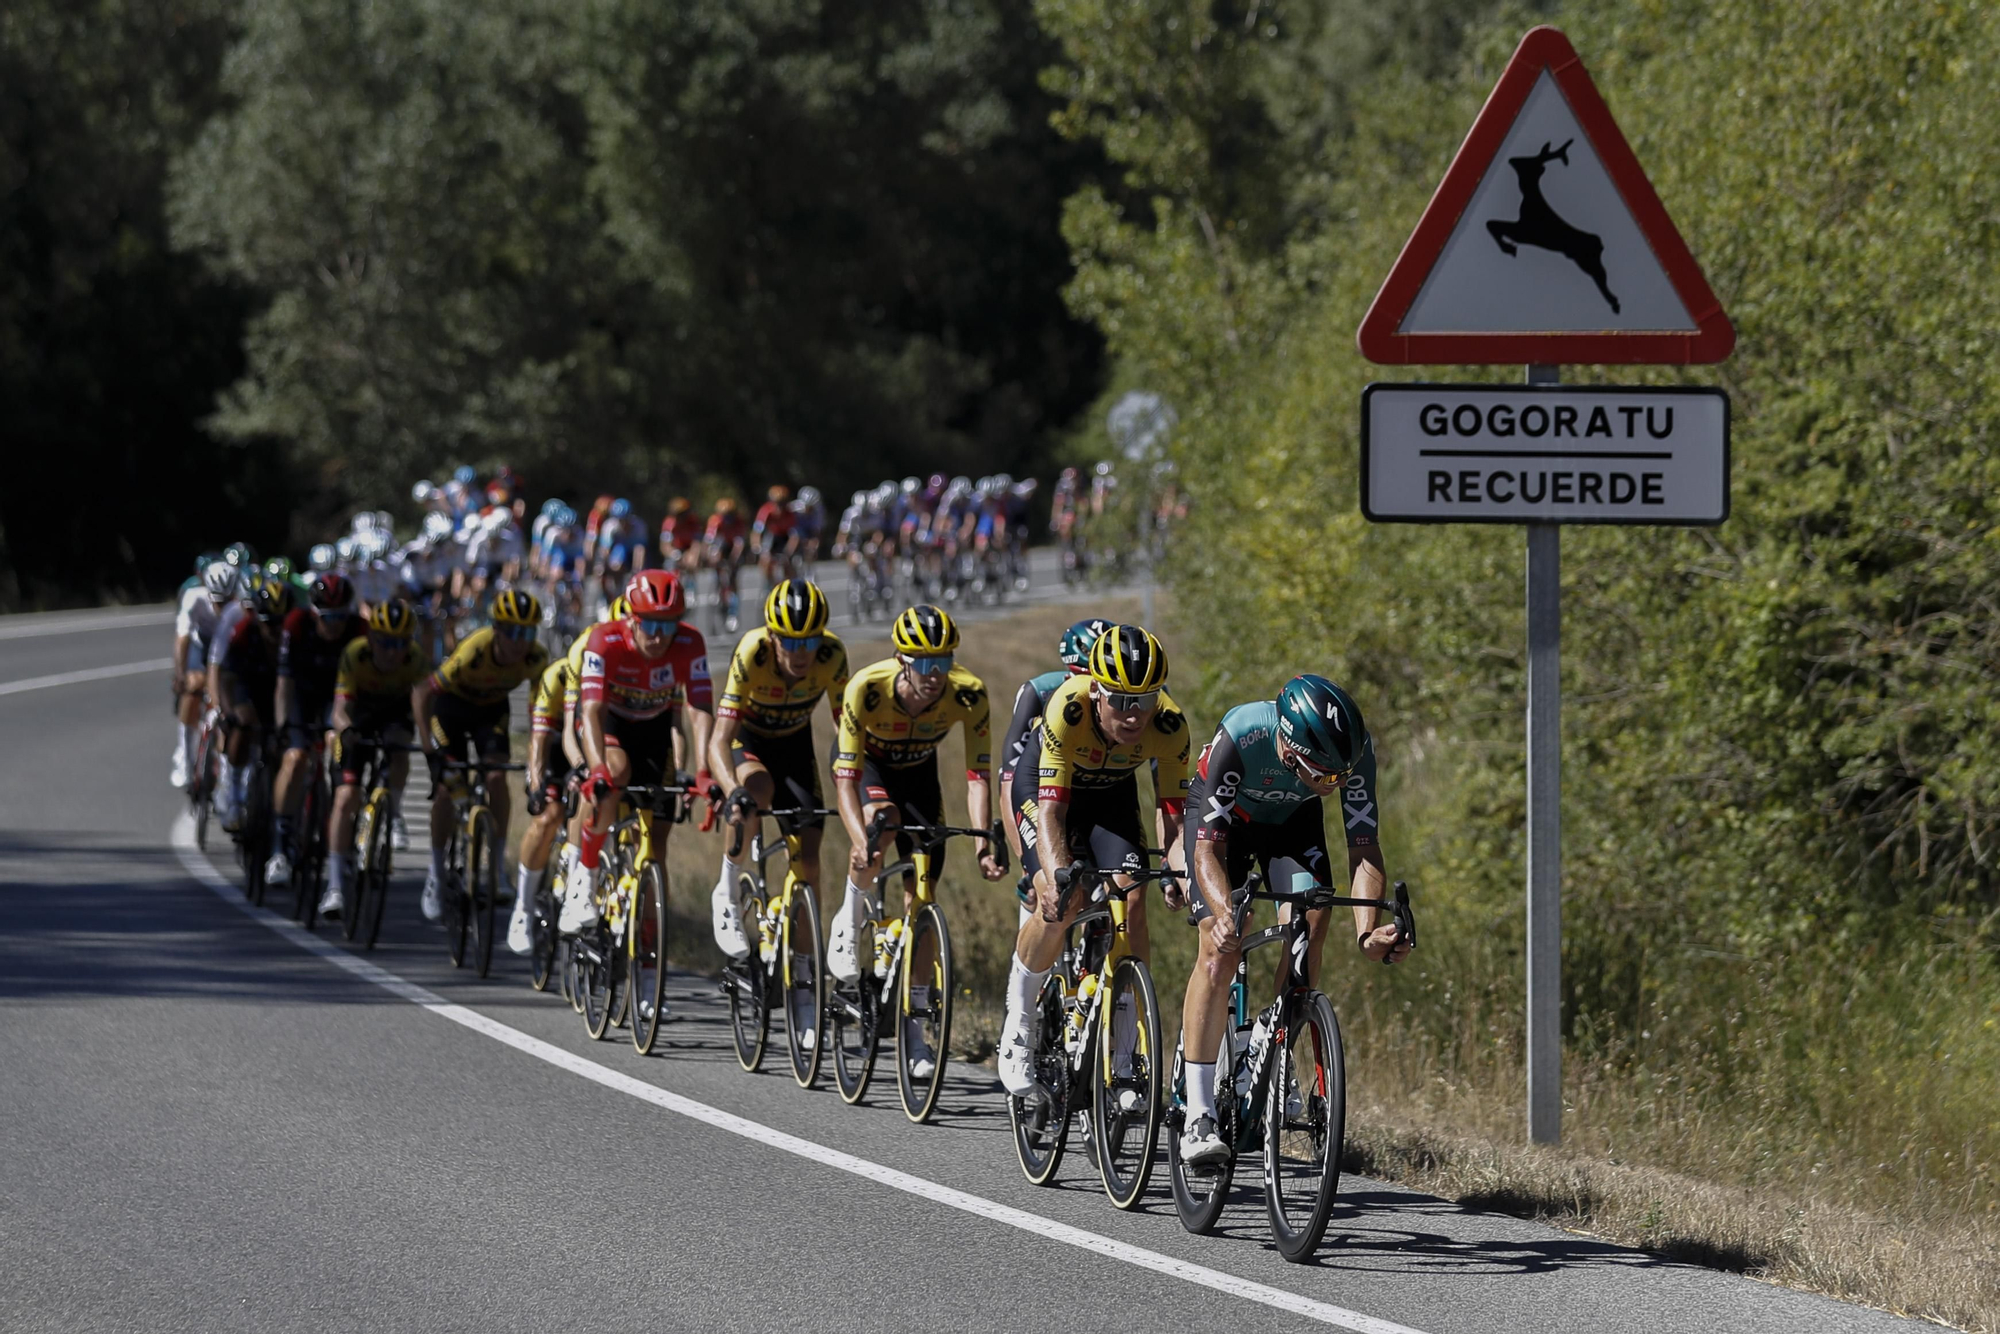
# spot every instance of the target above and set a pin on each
(332, 591)
(656, 595)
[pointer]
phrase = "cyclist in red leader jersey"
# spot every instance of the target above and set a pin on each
(638, 676)
(772, 530)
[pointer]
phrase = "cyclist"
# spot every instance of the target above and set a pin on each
(680, 536)
(314, 636)
(194, 636)
(1098, 729)
(771, 533)
(1030, 702)
(726, 542)
(462, 706)
(894, 716)
(243, 678)
(637, 675)
(373, 689)
(808, 525)
(554, 704)
(763, 741)
(1261, 790)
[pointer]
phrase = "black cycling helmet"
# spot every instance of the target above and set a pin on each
(272, 600)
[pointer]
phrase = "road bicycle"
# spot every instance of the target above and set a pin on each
(784, 969)
(545, 954)
(202, 778)
(619, 963)
(1097, 1060)
(911, 977)
(374, 844)
(1281, 1083)
(471, 888)
(309, 836)
(253, 819)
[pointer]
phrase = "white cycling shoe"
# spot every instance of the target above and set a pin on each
(399, 834)
(841, 958)
(1201, 1146)
(180, 774)
(803, 1022)
(1017, 1055)
(923, 1061)
(519, 938)
(432, 901)
(278, 869)
(330, 904)
(728, 921)
(579, 903)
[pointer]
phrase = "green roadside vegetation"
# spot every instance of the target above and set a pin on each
(1782, 778)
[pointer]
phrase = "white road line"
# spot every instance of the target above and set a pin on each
(198, 866)
(111, 621)
(87, 674)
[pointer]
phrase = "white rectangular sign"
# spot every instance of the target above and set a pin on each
(1453, 453)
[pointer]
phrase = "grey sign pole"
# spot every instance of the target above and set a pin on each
(1544, 821)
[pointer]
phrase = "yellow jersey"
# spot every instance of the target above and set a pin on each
(556, 687)
(770, 703)
(1077, 757)
(472, 674)
(873, 724)
(358, 680)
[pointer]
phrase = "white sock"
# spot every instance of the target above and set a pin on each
(1026, 913)
(437, 863)
(524, 883)
(226, 787)
(730, 870)
(850, 903)
(1200, 1090)
(1022, 987)
(182, 747)
(336, 874)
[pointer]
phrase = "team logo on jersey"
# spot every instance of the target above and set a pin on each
(1073, 712)
(871, 698)
(969, 696)
(1169, 721)
(593, 664)
(826, 651)
(661, 676)
(762, 655)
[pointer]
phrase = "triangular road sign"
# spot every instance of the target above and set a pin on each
(1545, 243)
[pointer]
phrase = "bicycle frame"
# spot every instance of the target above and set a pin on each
(927, 840)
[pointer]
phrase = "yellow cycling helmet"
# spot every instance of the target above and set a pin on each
(620, 608)
(1129, 660)
(924, 631)
(514, 607)
(393, 618)
(796, 609)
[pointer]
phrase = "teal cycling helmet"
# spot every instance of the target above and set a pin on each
(1321, 722)
(1074, 650)
(204, 560)
(240, 554)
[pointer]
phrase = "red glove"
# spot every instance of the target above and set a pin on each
(600, 782)
(704, 783)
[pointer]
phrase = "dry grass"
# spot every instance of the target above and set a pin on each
(1448, 1123)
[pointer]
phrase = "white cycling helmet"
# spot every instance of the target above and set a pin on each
(437, 526)
(808, 497)
(321, 557)
(220, 579)
(344, 549)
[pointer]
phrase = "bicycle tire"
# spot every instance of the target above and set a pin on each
(572, 974)
(456, 891)
(646, 956)
(749, 1001)
(302, 906)
(542, 936)
(855, 1021)
(356, 907)
(316, 850)
(1200, 1196)
(1041, 1127)
(256, 836)
(482, 887)
(593, 982)
(920, 1096)
(803, 971)
(380, 858)
(1314, 1143)
(1125, 1160)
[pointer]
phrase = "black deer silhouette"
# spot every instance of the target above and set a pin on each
(1540, 225)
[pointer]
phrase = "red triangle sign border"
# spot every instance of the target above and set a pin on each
(1543, 48)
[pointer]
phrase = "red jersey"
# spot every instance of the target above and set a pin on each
(680, 531)
(775, 519)
(725, 529)
(634, 686)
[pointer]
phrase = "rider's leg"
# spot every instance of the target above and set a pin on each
(859, 895)
(579, 900)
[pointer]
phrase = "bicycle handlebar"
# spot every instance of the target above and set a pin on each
(1323, 896)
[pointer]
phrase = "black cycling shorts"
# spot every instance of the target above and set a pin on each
(917, 795)
(793, 763)
(311, 722)
(1299, 844)
(648, 744)
(350, 758)
(1103, 823)
(457, 724)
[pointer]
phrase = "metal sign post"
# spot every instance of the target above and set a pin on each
(1544, 820)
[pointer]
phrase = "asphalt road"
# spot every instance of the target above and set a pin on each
(211, 1122)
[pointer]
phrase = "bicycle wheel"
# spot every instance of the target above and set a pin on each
(1200, 1193)
(542, 932)
(924, 1032)
(377, 864)
(646, 956)
(572, 974)
(455, 892)
(256, 836)
(303, 901)
(356, 907)
(803, 976)
(1302, 1153)
(854, 1012)
(1041, 1120)
(482, 887)
(202, 790)
(1125, 1085)
(595, 966)
(749, 1002)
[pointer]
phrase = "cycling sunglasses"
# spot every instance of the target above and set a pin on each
(1312, 772)
(516, 631)
(388, 643)
(802, 644)
(658, 627)
(929, 665)
(1137, 702)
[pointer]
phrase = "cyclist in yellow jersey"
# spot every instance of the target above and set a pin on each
(552, 753)
(1096, 733)
(762, 744)
(893, 718)
(462, 707)
(371, 700)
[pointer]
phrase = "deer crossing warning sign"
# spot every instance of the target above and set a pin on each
(1545, 243)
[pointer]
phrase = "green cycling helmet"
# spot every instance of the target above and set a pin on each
(1074, 649)
(279, 567)
(1322, 723)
